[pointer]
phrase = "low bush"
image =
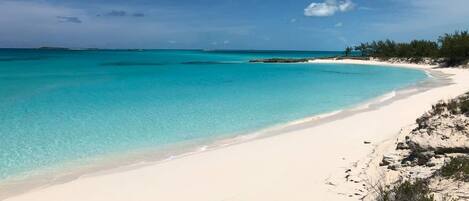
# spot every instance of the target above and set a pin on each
(464, 107)
(406, 191)
(457, 168)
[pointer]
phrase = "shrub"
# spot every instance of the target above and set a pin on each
(406, 191)
(457, 168)
(456, 106)
(453, 106)
(464, 106)
(348, 51)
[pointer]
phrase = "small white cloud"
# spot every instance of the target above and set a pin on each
(293, 20)
(172, 42)
(339, 24)
(346, 6)
(226, 42)
(214, 43)
(328, 8)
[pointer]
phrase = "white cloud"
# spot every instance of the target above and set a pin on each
(346, 6)
(339, 24)
(328, 8)
(293, 20)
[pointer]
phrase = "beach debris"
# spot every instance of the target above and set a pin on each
(330, 183)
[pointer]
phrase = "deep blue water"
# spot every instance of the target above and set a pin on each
(58, 106)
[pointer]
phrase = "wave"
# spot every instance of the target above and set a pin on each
(387, 96)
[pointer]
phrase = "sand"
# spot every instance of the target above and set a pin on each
(305, 163)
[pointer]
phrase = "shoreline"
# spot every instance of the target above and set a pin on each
(116, 162)
(146, 157)
(188, 161)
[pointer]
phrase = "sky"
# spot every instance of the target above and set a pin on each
(225, 24)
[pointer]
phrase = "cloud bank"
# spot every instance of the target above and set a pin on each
(328, 8)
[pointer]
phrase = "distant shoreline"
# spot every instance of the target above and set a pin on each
(150, 49)
(439, 62)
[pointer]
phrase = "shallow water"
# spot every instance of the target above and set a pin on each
(59, 106)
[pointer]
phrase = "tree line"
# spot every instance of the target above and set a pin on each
(452, 48)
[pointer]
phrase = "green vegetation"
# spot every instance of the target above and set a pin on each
(348, 51)
(452, 48)
(455, 106)
(389, 48)
(406, 191)
(457, 168)
(455, 47)
(464, 106)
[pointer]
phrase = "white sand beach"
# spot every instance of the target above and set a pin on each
(306, 163)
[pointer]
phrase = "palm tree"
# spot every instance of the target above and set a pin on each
(348, 51)
(362, 48)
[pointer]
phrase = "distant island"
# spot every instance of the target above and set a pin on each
(53, 48)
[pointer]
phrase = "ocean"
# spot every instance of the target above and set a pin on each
(60, 107)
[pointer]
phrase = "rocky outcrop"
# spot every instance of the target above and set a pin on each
(424, 61)
(445, 129)
(421, 153)
(444, 133)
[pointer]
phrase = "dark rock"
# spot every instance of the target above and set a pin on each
(401, 146)
(280, 60)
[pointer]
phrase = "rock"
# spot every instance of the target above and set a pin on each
(443, 134)
(389, 159)
(401, 146)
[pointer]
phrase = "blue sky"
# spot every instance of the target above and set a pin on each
(225, 24)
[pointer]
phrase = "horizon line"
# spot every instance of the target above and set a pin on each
(146, 49)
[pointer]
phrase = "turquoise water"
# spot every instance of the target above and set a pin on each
(58, 106)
